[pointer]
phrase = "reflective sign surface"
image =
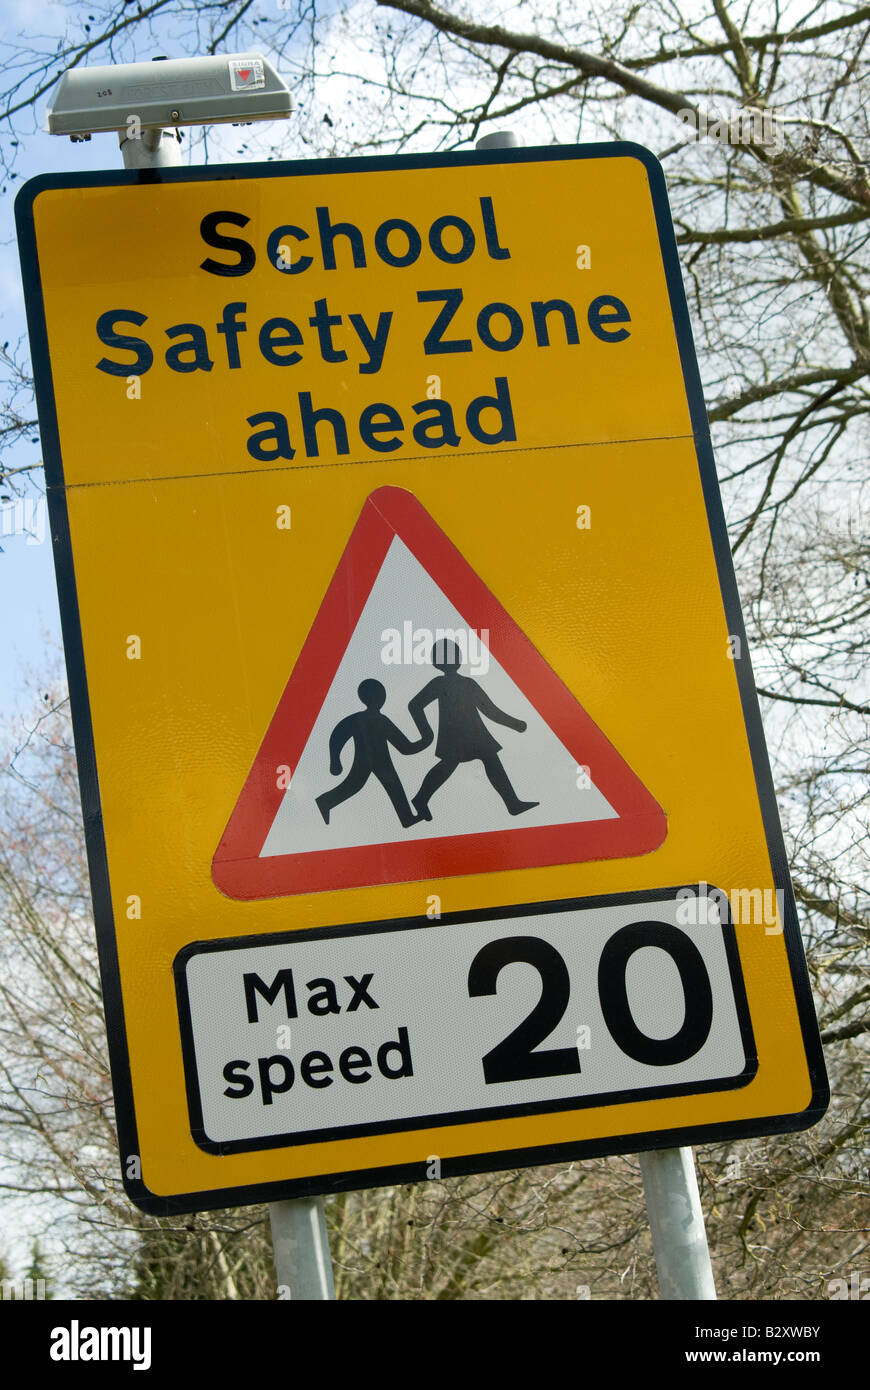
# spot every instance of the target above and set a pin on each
(244, 373)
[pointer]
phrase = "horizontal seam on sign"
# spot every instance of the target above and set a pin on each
(384, 458)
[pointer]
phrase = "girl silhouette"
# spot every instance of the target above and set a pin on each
(462, 735)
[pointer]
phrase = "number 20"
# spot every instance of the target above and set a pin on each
(513, 1059)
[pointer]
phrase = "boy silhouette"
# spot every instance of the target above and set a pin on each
(462, 734)
(372, 733)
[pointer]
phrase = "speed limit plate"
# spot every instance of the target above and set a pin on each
(311, 1036)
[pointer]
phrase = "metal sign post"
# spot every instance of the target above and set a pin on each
(302, 1262)
(677, 1224)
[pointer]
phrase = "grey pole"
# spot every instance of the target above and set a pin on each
(301, 1247)
(150, 149)
(498, 140)
(677, 1224)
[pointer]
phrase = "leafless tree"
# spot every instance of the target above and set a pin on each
(772, 210)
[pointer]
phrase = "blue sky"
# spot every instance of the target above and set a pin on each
(30, 639)
(29, 619)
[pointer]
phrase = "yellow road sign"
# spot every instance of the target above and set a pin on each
(430, 820)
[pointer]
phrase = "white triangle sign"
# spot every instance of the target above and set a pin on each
(490, 777)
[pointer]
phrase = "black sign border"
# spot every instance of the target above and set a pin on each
(166, 1205)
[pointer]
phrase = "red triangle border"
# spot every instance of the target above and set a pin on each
(237, 869)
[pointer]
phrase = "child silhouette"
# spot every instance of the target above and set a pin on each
(372, 733)
(462, 734)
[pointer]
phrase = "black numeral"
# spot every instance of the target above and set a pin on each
(697, 994)
(513, 1058)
